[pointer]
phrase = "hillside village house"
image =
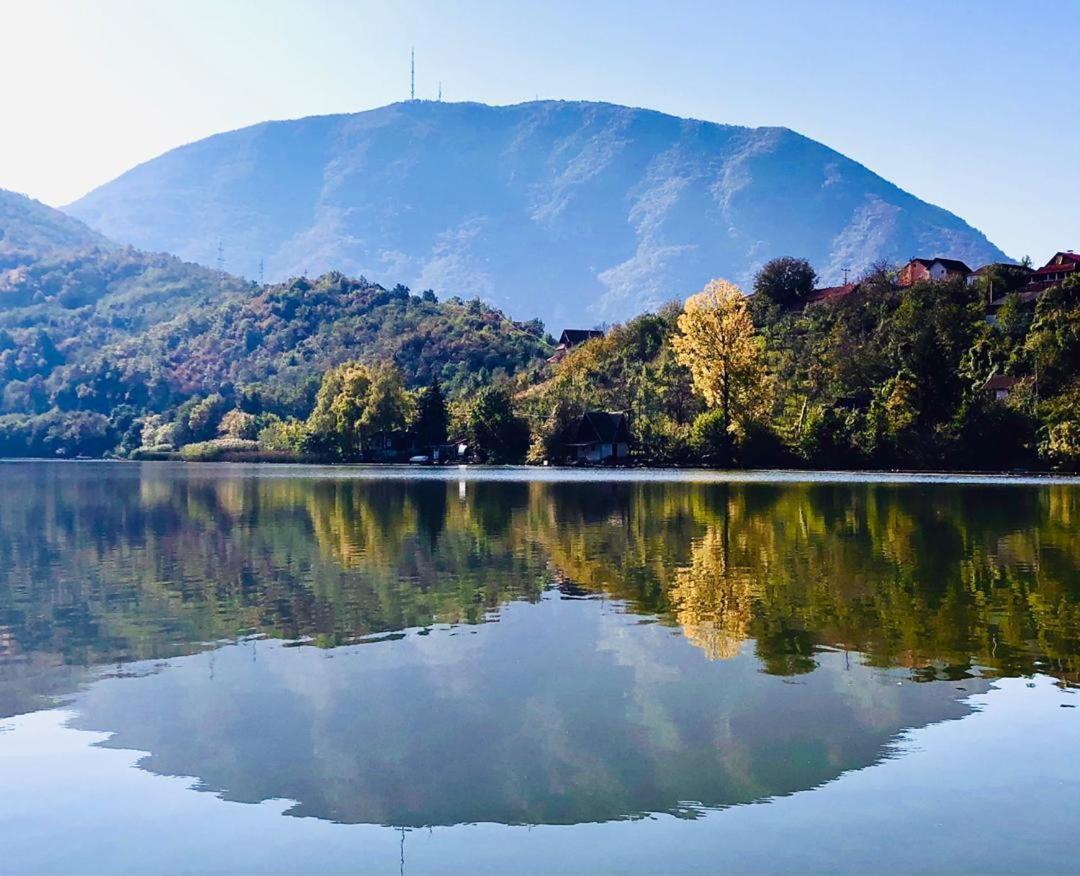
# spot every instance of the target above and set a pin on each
(1002, 279)
(1053, 273)
(832, 293)
(935, 270)
(570, 338)
(999, 386)
(599, 436)
(1062, 266)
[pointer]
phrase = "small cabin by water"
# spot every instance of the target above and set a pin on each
(599, 436)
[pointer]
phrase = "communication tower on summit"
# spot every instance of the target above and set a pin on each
(412, 74)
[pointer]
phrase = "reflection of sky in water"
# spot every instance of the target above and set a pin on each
(995, 792)
(663, 657)
(563, 712)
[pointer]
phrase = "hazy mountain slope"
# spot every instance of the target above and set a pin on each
(29, 229)
(57, 273)
(576, 212)
(66, 293)
(95, 329)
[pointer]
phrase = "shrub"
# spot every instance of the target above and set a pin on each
(207, 451)
(284, 436)
(710, 439)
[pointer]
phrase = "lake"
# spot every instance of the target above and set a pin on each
(225, 668)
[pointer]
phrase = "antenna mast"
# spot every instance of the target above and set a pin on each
(440, 90)
(412, 74)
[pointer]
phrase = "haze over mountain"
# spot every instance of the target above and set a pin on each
(29, 229)
(576, 212)
(66, 292)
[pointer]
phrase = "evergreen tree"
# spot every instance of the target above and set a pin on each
(432, 416)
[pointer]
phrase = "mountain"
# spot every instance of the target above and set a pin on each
(29, 229)
(575, 212)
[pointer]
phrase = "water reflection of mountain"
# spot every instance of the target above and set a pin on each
(564, 712)
(741, 640)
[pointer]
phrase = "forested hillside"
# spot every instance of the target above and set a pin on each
(288, 334)
(84, 380)
(58, 275)
(95, 337)
(107, 350)
(885, 377)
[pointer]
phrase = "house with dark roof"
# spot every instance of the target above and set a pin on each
(393, 445)
(1000, 385)
(933, 270)
(570, 338)
(599, 436)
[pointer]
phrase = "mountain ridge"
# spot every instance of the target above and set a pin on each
(579, 211)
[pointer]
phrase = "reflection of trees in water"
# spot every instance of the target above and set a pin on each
(936, 579)
(714, 602)
(135, 569)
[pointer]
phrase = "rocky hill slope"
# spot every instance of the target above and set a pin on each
(576, 212)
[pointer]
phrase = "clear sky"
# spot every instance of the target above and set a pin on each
(971, 105)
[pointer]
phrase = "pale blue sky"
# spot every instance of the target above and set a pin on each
(970, 105)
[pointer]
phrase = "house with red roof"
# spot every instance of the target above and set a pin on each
(1053, 273)
(999, 386)
(831, 293)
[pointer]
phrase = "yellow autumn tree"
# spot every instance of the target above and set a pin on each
(726, 358)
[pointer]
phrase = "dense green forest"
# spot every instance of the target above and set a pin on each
(885, 377)
(262, 355)
(105, 349)
(112, 351)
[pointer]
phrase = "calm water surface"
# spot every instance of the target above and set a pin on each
(226, 668)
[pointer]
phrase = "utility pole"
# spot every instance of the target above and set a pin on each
(845, 270)
(412, 74)
(440, 91)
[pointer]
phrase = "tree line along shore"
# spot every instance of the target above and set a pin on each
(890, 374)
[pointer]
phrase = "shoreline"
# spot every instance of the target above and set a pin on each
(578, 474)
